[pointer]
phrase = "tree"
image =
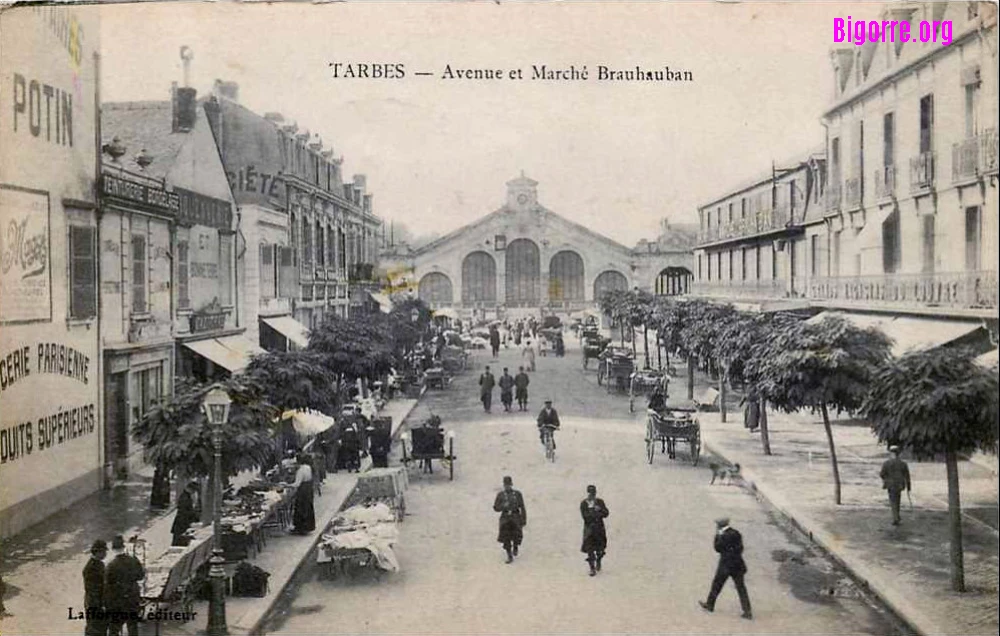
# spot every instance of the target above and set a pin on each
(640, 313)
(176, 435)
(614, 303)
(354, 349)
(406, 332)
(937, 402)
(700, 333)
(816, 366)
(295, 380)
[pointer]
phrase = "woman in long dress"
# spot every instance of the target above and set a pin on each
(529, 353)
(304, 516)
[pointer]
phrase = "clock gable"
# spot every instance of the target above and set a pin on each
(522, 193)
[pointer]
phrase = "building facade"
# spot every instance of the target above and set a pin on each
(50, 363)
(525, 259)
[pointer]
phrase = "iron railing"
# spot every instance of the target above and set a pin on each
(959, 290)
(921, 171)
(753, 224)
(885, 182)
(974, 156)
(757, 288)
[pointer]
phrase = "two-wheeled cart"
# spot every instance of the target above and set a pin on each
(672, 425)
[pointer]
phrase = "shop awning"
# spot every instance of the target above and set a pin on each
(290, 328)
(229, 352)
(384, 302)
(908, 333)
(988, 359)
(309, 423)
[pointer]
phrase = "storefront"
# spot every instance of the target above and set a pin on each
(50, 368)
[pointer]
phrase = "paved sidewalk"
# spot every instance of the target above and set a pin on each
(907, 566)
(42, 566)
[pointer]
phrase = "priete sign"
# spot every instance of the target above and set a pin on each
(145, 195)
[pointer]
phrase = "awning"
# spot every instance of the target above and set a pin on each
(908, 333)
(229, 352)
(290, 328)
(988, 359)
(384, 302)
(308, 423)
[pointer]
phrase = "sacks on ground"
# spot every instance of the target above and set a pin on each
(250, 580)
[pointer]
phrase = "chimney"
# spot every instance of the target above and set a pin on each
(229, 90)
(360, 181)
(184, 106)
(368, 203)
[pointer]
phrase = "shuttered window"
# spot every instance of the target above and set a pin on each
(83, 272)
(138, 273)
(183, 293)
(267, 272)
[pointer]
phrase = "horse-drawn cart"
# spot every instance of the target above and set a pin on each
(614, 368)
(427, 443)
(673, 424)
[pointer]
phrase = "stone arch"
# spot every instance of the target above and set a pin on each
(607, 281)
(479, 279)
(672, 281)
(523, 273)
(435, 289)
(566, 277)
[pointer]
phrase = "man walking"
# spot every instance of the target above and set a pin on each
(124, 599)
(595, 537)
(521, 382)
(495, 341)
(506, 390)
(729, 545)
(895, 476)
(93, 590)
(513, 517)
(486, 384)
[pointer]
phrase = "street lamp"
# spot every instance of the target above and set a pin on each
(216, 408)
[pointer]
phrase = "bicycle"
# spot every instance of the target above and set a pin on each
(548, 439)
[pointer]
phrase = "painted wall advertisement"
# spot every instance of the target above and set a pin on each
(25, 272)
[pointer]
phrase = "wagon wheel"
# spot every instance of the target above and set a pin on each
(695, 447)
(600, 373)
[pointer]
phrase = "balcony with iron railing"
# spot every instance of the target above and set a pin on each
(970, 290)
(922, 171)
(852, 192)
(974, 156)
(756, 288)
(762, 222)
(885, 182)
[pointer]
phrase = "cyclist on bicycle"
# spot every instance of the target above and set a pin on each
(548, 418)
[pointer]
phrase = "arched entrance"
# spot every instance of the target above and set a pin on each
(609, 281)
(566, 277)
(673, 281)
(523, 273)
(435, 290)
(479, 279)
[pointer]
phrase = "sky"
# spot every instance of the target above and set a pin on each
(614, 156)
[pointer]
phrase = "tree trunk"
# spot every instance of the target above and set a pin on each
(833, 455)
(659, 347)
(722, 392)
(765, 436)
(645, 344)
(955, 523)
(691, 377)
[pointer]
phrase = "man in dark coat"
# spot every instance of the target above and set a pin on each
(495, 341)
(547, 417)
(729, 545)
(186, 514)
(595, 537)
(122, 592)
(486, 384)
(93, 590)
(513, 517)
(506, 383)
(895, 476)
(521, 382)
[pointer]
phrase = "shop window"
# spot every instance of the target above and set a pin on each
(147, 387)
(139, 274)
(307, 247)
(183, 293)
(288, 279)
(83, 272)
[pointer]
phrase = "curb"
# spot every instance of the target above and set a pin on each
(861, 573)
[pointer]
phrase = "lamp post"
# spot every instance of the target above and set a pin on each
(216, 407)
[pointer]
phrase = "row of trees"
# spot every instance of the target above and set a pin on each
(176, 437)
(937, 402)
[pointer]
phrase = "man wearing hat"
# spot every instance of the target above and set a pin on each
(122, 589)
(187, 513)
(547, 417)
(895, 476)
(93, 590)
(521, 382)
(595, 536)
(513, 517)
(486, 384)
(729, 545)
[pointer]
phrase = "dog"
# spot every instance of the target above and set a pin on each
(724, 473)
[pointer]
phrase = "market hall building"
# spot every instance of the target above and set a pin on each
(523, 259)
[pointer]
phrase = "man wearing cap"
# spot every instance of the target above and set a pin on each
(895, 476)
(729, 545)
(513, 517)
(595, 537)
(486, 384)
(521, 382)
(547, 417)
(506, 389)
(93, 590)
(122, 590)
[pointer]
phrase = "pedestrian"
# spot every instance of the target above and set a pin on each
(729, 545)
(486, 384)
(529, 353)
(93, 590)
(513, 517)
(595, 537)
(304, 514)
(521, 382)
(895, 476)
(506, 384)
(495, 341)
(187, 514)
(547, 417)
(123, 598)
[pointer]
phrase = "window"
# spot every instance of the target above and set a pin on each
(756, 263)
(814, 255)
(743, 207)
(295, 238)
(973, 238)
(928, 243)
(342, 247)
(138, 273)
(890, 243)
(320, 246)
(888, 140)
(82, 272)
(699, 267)
(307, 251)
(183, 292)
(331, 246)
(774, 262)
(731, 277)
(835, 257)
(926, 123)
(743, 263)
(147, 387)
(267, 272)
(971, 109)
(859, 150)
(226, 269)
(287, 272)
(835, 161)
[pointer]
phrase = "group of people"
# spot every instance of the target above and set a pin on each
(511, 388)
(112, 597)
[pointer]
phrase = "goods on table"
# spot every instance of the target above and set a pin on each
(359, 534)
